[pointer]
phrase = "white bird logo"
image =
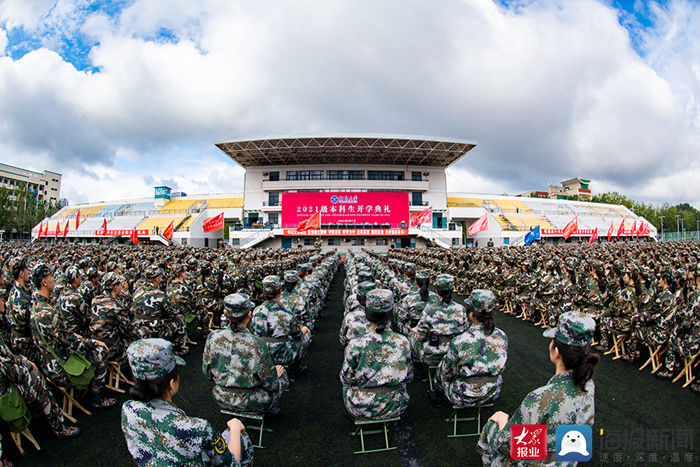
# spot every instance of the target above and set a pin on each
(521, 436)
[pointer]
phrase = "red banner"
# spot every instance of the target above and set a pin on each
(120, 233)
(578, 233)
(346, 233)
(214, 223)
(418, 218)
(346, 208)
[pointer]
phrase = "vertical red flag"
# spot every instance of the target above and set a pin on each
(610, 231)
(634, 228)
(65, 231)
(104, 226)
(570, 228)
(168, 232)
(480, 225)
(622, 227)
(58, 229)
(594, 237)
(41, 230)
(77, 220)
(313, 222)
(640, 229)
(418, 218)
(134, 238)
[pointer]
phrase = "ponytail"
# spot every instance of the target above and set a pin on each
(580, 360)
(380, 319)
(424, 291)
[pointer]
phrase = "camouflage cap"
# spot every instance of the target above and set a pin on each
(380, 301)
(481, 300)
(271, 283)
(17, 265)
(40, 271)
(151, 272)
(573, 329)
(237, 305)
(444, 282)
(409, 267)
(291, 276)
(364, 275)
(92, 272)
(363, 288)
(72, 273)
(304, 267)
(423, 274)
(152, 359)
(110, 281)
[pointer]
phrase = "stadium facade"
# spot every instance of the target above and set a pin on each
(363, 189)
(44, 186)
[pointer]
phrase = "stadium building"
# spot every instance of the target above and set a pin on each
(362, 190)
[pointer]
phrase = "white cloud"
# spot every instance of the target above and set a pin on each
(550, 91)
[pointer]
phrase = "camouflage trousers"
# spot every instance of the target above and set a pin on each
(25, 346)
(491, 453)
(175, 331)
(429, 355)
(96, 355)
(365, 405)
(465, 394)
(31, 385)
(256, 400)
(213, 306)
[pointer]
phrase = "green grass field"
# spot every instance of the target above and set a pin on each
(314, 430)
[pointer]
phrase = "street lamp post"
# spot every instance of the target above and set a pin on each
(683, 227)
(662, 228)
(678, 226)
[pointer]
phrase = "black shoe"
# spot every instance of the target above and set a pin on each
(695, 388)
(436, 399)
(664, 374)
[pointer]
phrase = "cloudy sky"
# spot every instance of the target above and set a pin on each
(122, 95)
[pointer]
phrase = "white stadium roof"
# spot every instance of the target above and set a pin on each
(345, 149)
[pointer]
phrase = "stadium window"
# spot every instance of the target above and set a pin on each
(333, 242)
(337, 175)
(274, 176)
(356, 174)
(308, 241)
(273, 198)
(416, 177)
(394, 175)
(455, 242)
(292, 175)
(417, 198)
(273, 218)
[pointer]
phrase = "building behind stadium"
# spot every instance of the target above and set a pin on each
(365, 188)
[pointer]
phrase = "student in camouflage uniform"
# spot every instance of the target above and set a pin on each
(153, 314)
(208, 294)
(356, 323)
(439, 324)
(19, 373)
(377, 365)
(109, 322)
(51, 336)
(157, 432)
(410, 308)
(471, 371)
(182, 297)
(90, 286)
(567, 399)
(277, 325)
(293, 300)
(240, 364)
(20, 310)
(71, 304)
